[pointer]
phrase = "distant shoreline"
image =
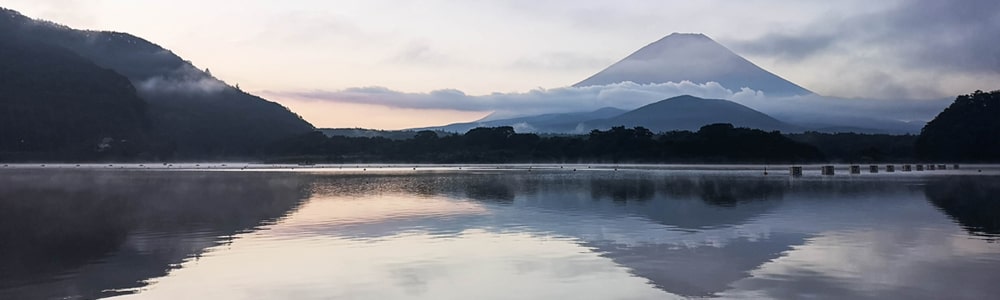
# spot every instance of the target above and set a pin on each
(775, 169)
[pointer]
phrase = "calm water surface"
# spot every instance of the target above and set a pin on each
(490, 232)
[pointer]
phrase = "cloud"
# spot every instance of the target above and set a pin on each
(922, 49)
(185, 79)
(161, 84)
(560, 61)
(310, 28)
(420, 52)
(628, 95)
(820, 111)
(788, 47)
(948, 35)
(940, 35)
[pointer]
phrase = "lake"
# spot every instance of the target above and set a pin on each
(214, 231)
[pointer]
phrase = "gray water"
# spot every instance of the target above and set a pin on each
(496, 232)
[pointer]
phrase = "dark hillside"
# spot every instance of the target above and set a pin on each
(968, 130)
(56, 105)
(202, 115)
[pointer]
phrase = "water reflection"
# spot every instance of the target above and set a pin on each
(90, 234)
(489, 190)
(500, 234)
(974, 202)
(622, 189)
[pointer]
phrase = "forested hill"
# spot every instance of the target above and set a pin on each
(56, 104)
(968, 130)
(198, 114)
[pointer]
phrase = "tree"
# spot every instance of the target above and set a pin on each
(968, 130)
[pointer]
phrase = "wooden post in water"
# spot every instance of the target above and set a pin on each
(855, 169)
(795, 171)
(890, 168)
(827, 170)
(873, 169)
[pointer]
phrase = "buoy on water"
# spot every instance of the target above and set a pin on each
(795, 171)
(827, 170)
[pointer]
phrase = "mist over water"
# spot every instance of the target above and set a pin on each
(641, 232)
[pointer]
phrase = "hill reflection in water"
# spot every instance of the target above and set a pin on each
(88, 234)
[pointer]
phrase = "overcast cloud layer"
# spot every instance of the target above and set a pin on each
(921, 34)
(913, 49)
(848, 48)
(889, 50)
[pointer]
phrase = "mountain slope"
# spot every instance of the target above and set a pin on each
(202, 115)
(696, 58)
(691, 113)
(56, 105)
(546, 123)
(677, 113)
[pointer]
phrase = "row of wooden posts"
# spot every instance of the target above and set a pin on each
(856, 169)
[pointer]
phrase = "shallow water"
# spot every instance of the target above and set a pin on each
(495, 232)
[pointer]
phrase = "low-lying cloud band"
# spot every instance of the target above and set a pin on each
(625, 95)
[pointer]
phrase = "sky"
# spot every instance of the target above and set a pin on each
(441, 55)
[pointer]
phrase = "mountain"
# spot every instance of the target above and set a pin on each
(55, 104)
(677, 113)
(691, 113)
(845, 124)
(696, 58)
(546, 123)
(202, 116)
(699, 59)
(674, 58)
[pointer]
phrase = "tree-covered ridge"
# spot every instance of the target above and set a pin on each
(968, 130)
(717, 143)
(198, 115)
(55, 104)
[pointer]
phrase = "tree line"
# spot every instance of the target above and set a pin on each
(967, 131)
(716, 143)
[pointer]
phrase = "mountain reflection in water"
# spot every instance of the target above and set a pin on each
(495, 234)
